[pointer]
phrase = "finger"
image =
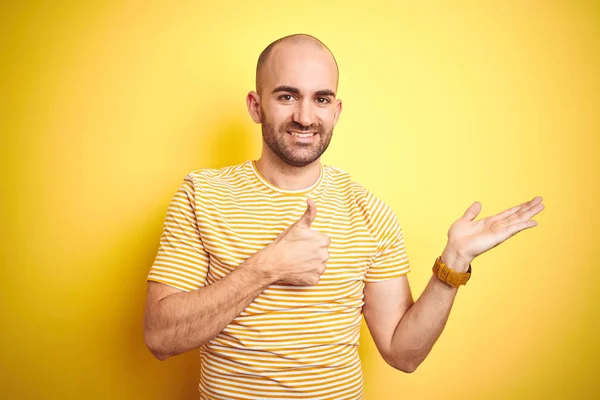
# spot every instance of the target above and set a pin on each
(510, 211)
(523, 206)
(526, 213)
(309, 215)
(520, 226)
(324, 255)
(533, 211)
(473, 211)
(325, 240)
(533, 204)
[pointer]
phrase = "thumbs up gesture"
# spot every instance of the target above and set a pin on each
(299, 253)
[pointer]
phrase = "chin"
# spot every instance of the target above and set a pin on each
(300, 162)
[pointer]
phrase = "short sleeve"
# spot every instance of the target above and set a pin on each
(181, 261)
(390, 260)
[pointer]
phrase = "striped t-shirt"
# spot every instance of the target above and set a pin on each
(291, 342)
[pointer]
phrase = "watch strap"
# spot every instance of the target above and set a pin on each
(448, 275)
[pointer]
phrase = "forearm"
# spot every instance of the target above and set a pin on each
(423, 323)
(184, 321)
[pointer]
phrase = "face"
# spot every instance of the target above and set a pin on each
(297, 105)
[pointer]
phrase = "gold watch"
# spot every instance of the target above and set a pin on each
(448, 275)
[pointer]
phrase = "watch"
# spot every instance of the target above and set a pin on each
(448, 275)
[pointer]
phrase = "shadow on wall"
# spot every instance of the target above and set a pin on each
(177, 377)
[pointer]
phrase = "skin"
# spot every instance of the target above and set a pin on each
(292, 83)
(296, 93)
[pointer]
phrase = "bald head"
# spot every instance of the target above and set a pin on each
(309, 45)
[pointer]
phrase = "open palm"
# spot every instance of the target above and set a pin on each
(471, 238)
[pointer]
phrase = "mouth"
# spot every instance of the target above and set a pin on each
(302, 135)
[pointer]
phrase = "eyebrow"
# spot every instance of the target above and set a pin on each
(325, 92)
(291, 89)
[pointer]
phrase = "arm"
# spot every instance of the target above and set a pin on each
(405, 332)
(178, 321)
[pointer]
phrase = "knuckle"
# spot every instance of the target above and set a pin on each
(324, 255)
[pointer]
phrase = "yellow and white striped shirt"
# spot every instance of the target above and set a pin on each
(291, 342)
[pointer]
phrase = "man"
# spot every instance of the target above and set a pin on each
(268, 266)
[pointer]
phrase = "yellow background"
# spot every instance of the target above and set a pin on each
(106, 106)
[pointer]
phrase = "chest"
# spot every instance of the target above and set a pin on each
(234, 230)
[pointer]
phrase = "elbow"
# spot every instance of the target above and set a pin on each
(406, 366)
(156, 347)
(159, 355)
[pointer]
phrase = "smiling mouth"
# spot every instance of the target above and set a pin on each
(302, 135)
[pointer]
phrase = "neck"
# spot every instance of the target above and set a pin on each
(286, 176)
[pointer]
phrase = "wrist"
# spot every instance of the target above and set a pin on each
(454, 260)
(262, 263)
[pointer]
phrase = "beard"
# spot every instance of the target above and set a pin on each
(295, 154)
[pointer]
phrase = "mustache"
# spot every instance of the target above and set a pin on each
(295, 126)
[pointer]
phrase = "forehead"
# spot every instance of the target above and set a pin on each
(305, 66)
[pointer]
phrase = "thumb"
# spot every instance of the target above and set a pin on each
(473, 211)
(309, 215)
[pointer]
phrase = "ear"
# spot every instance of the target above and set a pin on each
(337, 111)
(253, 103)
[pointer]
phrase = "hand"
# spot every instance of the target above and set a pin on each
(299, 254)
(469, 238)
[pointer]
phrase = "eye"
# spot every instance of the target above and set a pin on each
(286, 97)
(323, 100)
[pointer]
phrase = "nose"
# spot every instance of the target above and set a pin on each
(304, 114)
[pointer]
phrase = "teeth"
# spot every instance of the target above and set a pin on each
(302, 135)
